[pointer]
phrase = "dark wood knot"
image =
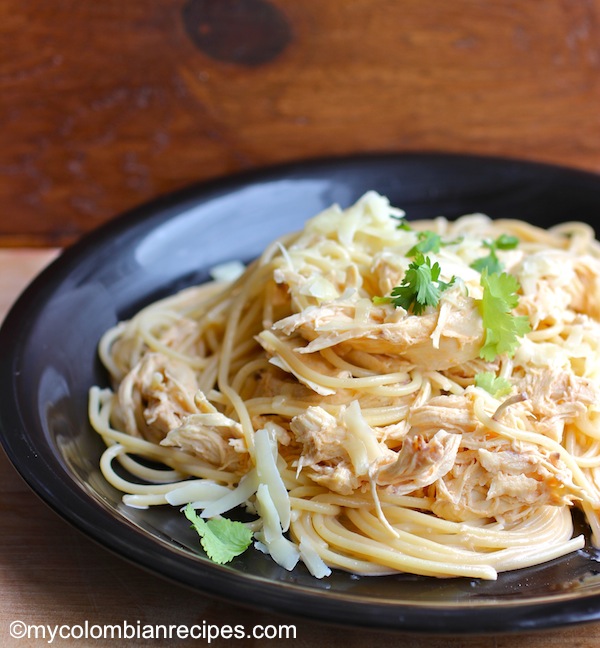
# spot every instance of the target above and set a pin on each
(245, 32)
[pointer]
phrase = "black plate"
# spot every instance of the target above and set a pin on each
(48, 361)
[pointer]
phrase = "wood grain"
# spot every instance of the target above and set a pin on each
(107, 105)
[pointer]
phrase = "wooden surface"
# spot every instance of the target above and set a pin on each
(105, 105)
(51, 575)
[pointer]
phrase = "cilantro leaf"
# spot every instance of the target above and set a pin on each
(506, 242)
(426, 242)
(222, 539)
(501, 327)
(420, 286)
(496, 385)
(491, 262)
(402, 222)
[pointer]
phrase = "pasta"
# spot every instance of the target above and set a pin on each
(446, 436)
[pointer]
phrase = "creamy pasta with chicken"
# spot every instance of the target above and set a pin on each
(377, 395)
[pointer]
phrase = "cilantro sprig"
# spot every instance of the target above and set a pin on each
(501, 328)
(420, 287)
(491, 262)
(222, 539)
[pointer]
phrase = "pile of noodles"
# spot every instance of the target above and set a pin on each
(354, 431)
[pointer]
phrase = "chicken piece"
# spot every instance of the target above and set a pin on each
(323, 452)
(387, 270)
(453, 413)
(420, 462)
(493, 477)
(340, 452)
(392, 435)
(155, 396)
(210, 435)
(525, 477)
(181, 335)
(327, 452)
(499, 478)
(159, 400)
(544, 279)
(557, 284)
(178, 333)
(437, 339)
(557, 397)
(320, 435)
(586, 288)
(339, 478)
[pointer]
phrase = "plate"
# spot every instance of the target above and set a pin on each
(48, 361)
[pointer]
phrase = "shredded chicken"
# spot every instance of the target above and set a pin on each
(440, 395)
(437, 339)
(324, 450)
(451, 413)
(556, 398)
(210, 435)
(420, 462)
(586, 287)
(159, 400)
(155, 396)
(501, 479)
(320, 435)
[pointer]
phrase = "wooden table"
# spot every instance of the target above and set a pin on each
(52, 575)
(105, 105)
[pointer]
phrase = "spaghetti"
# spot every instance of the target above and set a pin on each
(363, 433)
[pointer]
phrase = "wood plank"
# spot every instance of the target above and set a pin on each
(107, 105)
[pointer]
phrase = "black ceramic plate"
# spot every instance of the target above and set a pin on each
(48, 361)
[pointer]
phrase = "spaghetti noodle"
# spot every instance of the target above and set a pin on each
(360, 432)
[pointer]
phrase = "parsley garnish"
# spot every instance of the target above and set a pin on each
(496, 385)
(427, 242)
(222, 539)
(491, 262)
(420, 287)
(501, 327)
(402, 222)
